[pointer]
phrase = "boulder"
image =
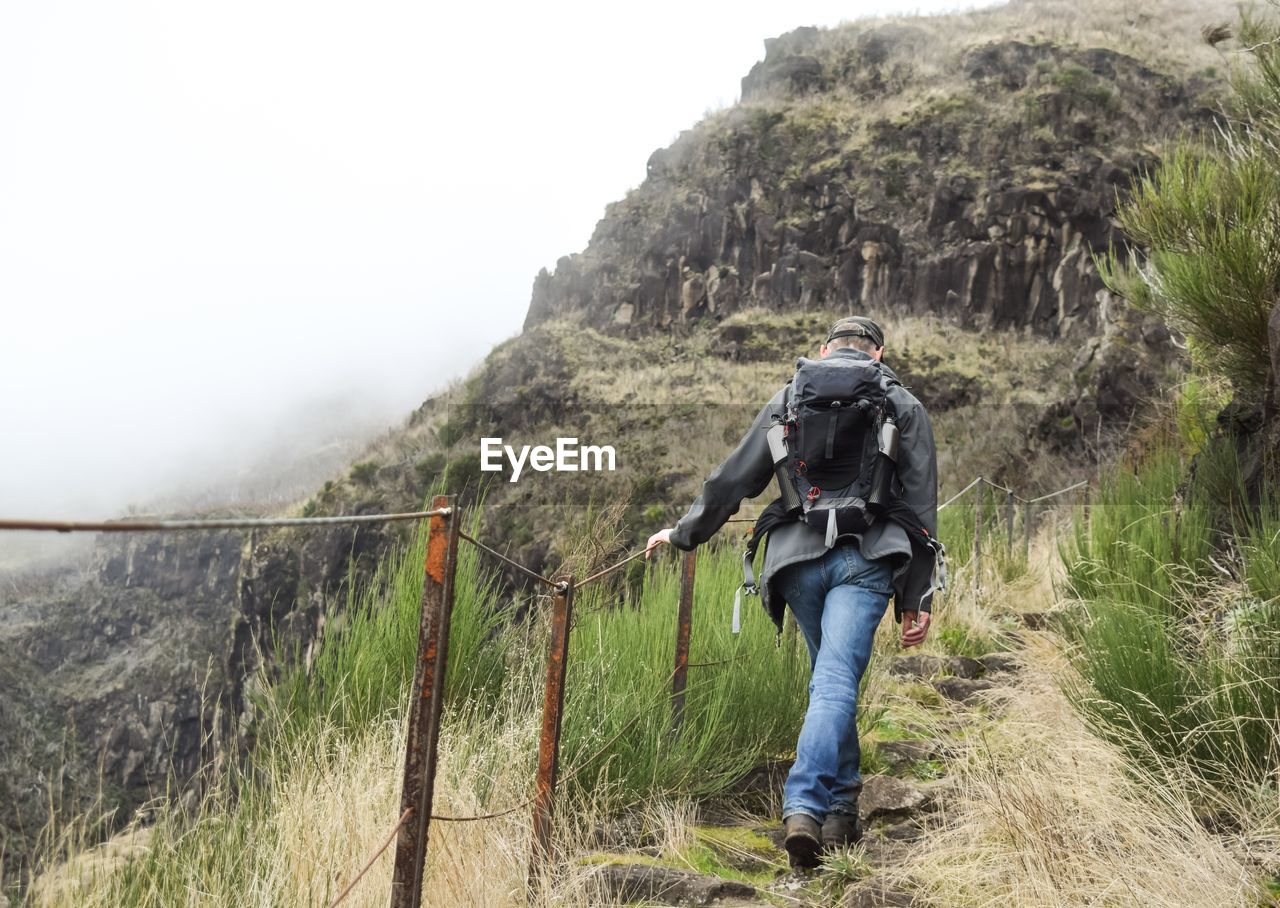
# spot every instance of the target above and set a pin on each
(1034, 621)
(906, 831)
(884, 797)
(964, 667)
(996, 663)
(876, 893)
(900, 753)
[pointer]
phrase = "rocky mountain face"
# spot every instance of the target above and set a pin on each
(958, 192)
(112, 681)
(841, 182)
(130, 676)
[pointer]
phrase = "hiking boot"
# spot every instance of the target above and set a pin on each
(803, 840)
(841, 830)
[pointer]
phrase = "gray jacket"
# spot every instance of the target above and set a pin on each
(749, 469)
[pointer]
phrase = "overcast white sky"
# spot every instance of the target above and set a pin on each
(216, 218)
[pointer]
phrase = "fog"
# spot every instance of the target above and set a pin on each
(234, 235)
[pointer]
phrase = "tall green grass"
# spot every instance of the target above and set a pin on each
(745, 699)
(1177, 643)
(956, 530)
(365, 660)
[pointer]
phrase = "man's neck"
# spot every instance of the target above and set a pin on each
(851, 351)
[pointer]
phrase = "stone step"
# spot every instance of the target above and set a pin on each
(642, 882)
(921, 665)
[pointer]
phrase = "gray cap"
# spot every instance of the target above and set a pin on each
(857, 326)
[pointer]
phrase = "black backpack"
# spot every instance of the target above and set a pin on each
(835, 409)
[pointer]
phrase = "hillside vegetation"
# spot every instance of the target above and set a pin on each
(1026, 802)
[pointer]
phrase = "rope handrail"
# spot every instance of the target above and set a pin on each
(1005, 489)
(391, 836)
(528, 572)
(609, 570)
(961, 492)
(1008, 491)
(1083, 482)
(227, 523)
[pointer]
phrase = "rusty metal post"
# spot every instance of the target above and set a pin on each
(977, 533)
(552, 713)
(426, 702)
(1008, 520)
(684, 621)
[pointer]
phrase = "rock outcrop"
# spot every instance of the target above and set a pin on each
(985, 201)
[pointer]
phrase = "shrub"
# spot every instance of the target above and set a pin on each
(1207, 218)
(364, 473)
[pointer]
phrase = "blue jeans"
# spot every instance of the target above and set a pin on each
(838, 601)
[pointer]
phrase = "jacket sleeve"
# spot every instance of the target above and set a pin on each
(918, 478)
(744, 474)
(918, 462)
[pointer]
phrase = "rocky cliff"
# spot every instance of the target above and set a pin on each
(845, 180)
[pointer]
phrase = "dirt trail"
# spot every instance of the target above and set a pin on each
(732, 854)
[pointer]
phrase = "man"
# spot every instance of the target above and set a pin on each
(838, 594)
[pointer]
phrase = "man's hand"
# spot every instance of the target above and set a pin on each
(915, 627)
(659, 538)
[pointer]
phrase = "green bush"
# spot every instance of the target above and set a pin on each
(1206, 217)
(365, 661)
(364, 473)
(429, 468)
(956, 530)
(746, 695)
(745, 700)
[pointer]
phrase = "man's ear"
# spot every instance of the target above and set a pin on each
(823, 351)
(879, 353)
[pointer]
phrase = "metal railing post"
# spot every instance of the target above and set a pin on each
(684, 621)
(552, 714)
(426, 702)
(977, 532)
(1008, 519)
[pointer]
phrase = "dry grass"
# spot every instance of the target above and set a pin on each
(1049, 815)
(923, 55)
(1046, 814)
(332, 812)
(1168, 32)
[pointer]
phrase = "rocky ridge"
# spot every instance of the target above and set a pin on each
(983, 200)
